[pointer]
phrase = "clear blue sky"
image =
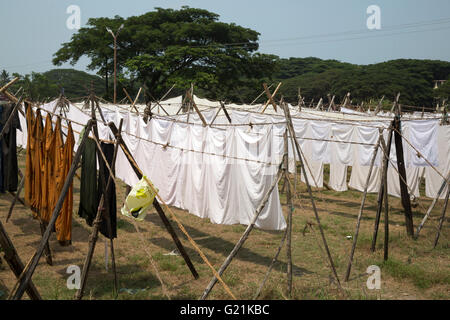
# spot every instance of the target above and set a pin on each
(32, 31)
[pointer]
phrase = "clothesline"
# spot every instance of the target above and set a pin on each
(161, 144)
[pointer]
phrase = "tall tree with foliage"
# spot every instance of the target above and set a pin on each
(166, 47)
(96, 43)
(4, 78)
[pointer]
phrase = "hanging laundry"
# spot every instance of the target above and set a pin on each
(63, 223)
(88, 188)
(9, 149)
(37, 159)
(29, 158)
(46, 208)
(110, 201)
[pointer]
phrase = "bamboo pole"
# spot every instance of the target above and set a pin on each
(427, 215)
(10, 118)
(128, 96)
(27, 273)
(244, 237)
(15, 263)
(361, 208)
(94, 235)
(270, 97)
(262, 93)
(9, 84)
(16, 197)
(102, 165)
(386, 154)
(386, 210)
(158, 208)
(292, 132)
(272, 263)
(406, 201)
(289, 226)
(441, 220)
(196, 109)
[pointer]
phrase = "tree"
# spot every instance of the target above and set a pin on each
(96, 43)
(166, 47)
(4, 78)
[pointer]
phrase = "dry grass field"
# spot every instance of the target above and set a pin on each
(414, 270)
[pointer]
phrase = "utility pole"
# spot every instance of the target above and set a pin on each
(115, 58)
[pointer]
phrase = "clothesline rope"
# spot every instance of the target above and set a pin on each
(420, 155)
(182, 228)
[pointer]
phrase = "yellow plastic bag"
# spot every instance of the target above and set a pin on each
(139, 199)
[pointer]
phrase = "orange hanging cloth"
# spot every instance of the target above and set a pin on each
(29, 158)
(64, 222)
(36, 148)
(47, 170)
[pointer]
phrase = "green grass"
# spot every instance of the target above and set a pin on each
(421, 278)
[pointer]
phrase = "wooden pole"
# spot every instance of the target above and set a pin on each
(128, 96)
(94, 235)
(386, 154)
(441, 189)
(15, 263)
(156, 204)
(406, 201)
(197, 110)
(102, 165)
(27, 273)
(441, 220)
(270, 97)
(289, 220)
(386, 210)
(9, 84)
(244, 237)
(308, 186)
(16, 197)
(269, 269)
(11, 116)
(135, 100)
(361, 208)
(262, 93)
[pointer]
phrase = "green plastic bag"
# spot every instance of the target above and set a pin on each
(138, 201)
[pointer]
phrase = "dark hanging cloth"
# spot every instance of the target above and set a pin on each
(110, 200)
(2, 188)
(10, 168)
(88, 189)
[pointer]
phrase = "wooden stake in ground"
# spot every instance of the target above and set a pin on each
(27, 273)
(441, 189)
(262, 93)
(441, 220)
(94, 235)
(308, 186)
(102, 165)
(158, 208)
(16, 197)
(196, 109)
(244, 237)
(386, 209)
(361, 208)
(289, 220)
(270, 97)
(15, 263)
(386, 155)
(406, 201)
(269, 269)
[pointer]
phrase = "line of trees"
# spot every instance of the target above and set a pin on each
(165, 47)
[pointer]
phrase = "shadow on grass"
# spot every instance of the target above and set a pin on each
(223, 248)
